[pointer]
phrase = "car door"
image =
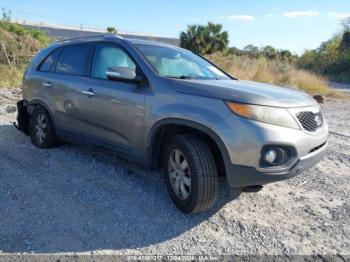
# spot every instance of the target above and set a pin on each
(113, 111)
(63, 83)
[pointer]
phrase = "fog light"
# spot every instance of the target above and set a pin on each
(271, 156)
(275, 155)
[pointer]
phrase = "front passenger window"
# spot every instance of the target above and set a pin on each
(107, 56)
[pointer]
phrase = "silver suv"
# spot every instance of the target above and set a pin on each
(168, 108)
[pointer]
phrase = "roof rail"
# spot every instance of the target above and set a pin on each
(87, 37)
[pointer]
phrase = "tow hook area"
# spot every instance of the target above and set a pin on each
(252, 189)
(22, 117)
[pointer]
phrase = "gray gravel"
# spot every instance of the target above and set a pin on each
(78, 199)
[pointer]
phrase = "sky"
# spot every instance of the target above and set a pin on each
(287, 24)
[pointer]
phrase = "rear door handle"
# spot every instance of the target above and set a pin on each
(47, 84)
(88, 92)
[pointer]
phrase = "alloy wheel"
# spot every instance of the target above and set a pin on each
(40, 128)
(179, 174)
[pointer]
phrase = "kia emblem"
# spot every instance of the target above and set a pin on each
(318, 120)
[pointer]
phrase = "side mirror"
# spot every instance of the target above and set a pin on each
(123, 74)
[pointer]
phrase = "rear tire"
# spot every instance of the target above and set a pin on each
(41, 130)
(191, 173)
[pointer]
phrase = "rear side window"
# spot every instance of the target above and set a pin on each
(73, 60)
(49, 64)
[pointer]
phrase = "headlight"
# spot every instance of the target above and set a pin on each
(271, 115)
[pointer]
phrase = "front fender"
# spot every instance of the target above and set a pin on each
(152, 136)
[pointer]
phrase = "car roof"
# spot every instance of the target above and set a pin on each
(107, 37)
(148, 42)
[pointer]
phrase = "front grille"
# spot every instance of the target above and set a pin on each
(310, 121)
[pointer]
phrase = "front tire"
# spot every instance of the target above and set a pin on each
(191, 173)
(41, 130)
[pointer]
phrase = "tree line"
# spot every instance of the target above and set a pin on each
(210, 38)
(332, 58)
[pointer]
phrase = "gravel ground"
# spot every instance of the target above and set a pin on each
(78, 199)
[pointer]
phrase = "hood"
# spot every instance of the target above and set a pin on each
(245, 92)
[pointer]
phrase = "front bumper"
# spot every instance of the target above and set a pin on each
(245, 139)
(241, 176)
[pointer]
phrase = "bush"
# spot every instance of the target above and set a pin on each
(331, 59)
(17, 50)
(17, 47)
(20, 30)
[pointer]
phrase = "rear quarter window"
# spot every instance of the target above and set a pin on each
(73, 60)
(49, 63)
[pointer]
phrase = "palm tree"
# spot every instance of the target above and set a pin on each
(216, 40)
(112, 30)
(193, 39)
(204, 39)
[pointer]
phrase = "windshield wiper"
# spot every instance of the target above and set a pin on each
(180, 77)
(190, 77)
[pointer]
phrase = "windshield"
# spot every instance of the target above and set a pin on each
(174, 62)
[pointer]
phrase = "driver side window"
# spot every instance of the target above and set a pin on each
(108, 56)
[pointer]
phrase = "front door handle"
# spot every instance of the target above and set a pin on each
(88, 92)
(47, 84)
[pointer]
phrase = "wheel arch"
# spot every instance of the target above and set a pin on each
(165, 128)
(38, 102)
